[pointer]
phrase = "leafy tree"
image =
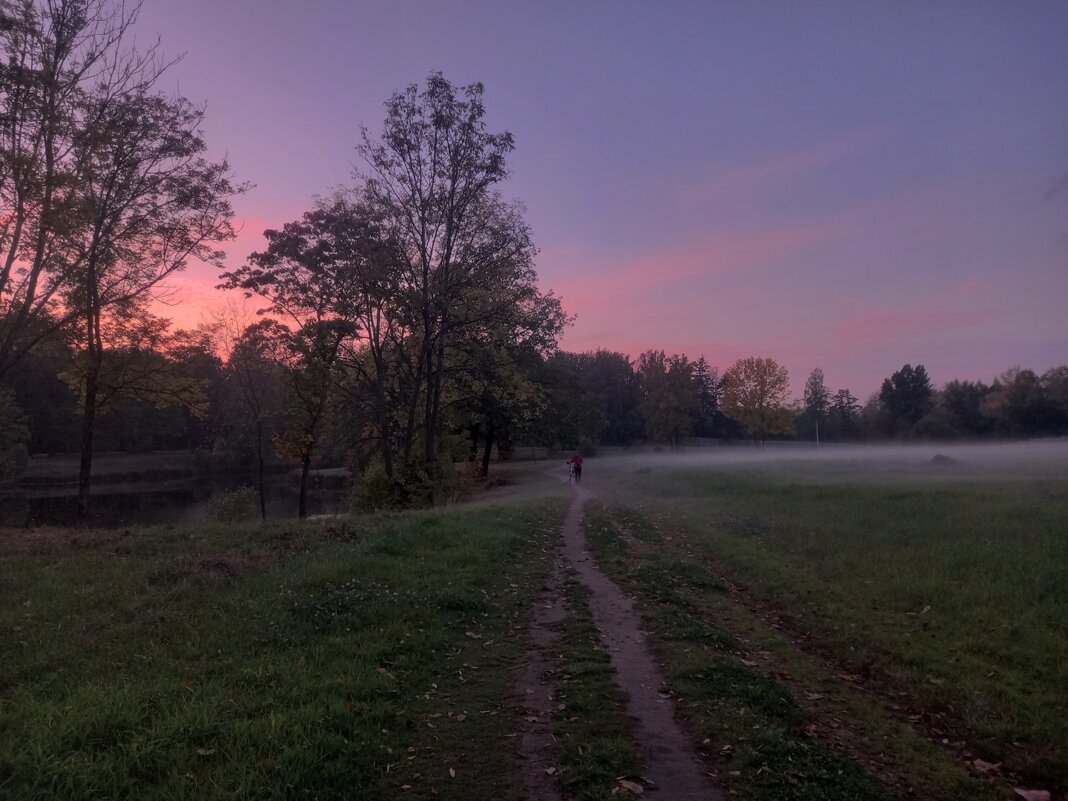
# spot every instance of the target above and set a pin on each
(303, 280)
(907, 396)
(260, 391)
(330, 277)
(495, 371)
(755, 394)
(467, 254)
(842, 415)
(669, 396)
(1020, 404)
(708, 420)
(611, 377)
(14, 437)
(963, 403)
(1055, 380)
(104, 180)
(50, 55)
(574, 416)
(816, 402)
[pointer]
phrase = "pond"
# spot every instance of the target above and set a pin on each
(147, 507)
(146, 489)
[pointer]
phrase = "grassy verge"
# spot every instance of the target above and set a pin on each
(368, 659)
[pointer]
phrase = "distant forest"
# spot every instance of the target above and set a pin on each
(398, 325)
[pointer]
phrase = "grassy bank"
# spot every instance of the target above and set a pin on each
(948, 600)
(367, 658)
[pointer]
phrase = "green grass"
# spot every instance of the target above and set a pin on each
(366, 659)
(747, 724)
(949, 599)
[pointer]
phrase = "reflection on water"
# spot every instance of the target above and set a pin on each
(172, 505)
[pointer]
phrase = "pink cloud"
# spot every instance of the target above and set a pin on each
(923, 322)
(725, 252)
(766, 175)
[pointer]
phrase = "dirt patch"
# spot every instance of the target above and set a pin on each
(536, 694)
(44, 538)
(671, 764)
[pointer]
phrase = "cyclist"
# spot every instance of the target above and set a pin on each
(576, 466)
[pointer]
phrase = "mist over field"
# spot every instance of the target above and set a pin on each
(847, 462)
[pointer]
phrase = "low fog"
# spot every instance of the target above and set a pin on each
(1046, 458)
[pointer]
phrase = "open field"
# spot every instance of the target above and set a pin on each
(924, 601)
(862, 625)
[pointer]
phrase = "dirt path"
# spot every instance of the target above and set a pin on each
(668, 757)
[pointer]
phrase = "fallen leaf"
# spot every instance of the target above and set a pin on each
(205, 751)
(631, 787)
(814, 696)
(1032, 795)
(452, 772)
(986, 767)
(550, 770)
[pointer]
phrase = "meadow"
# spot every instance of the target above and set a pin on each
(922, 599)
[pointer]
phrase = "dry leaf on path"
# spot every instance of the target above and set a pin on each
(1032, 795)
(452, 772)
(631, 787)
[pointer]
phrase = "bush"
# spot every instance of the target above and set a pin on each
(233, 506)
(373, 491)
(14, 438)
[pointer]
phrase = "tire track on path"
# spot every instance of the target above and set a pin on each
(668, 756)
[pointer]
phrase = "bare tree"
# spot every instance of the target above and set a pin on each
(54, 55)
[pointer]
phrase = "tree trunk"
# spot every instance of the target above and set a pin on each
(383, 419)
(302, 504)
(259, 460)
(85, 468)
(476, 435)
(490, 432)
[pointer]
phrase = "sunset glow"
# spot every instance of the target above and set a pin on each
(853, 189)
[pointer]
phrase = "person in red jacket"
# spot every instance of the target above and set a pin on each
(576, 465)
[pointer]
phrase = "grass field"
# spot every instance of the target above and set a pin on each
(362, 659)
(834, 630)
(924, 608)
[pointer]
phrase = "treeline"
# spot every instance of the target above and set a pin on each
(226, 391)
(398, 329)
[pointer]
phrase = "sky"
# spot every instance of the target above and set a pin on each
(844, 185)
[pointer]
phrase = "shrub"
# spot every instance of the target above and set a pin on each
(233, 506)
(14, 438)
(373, 491)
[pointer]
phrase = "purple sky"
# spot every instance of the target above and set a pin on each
(847, 185)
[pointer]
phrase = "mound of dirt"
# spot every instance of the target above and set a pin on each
(942, 459)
